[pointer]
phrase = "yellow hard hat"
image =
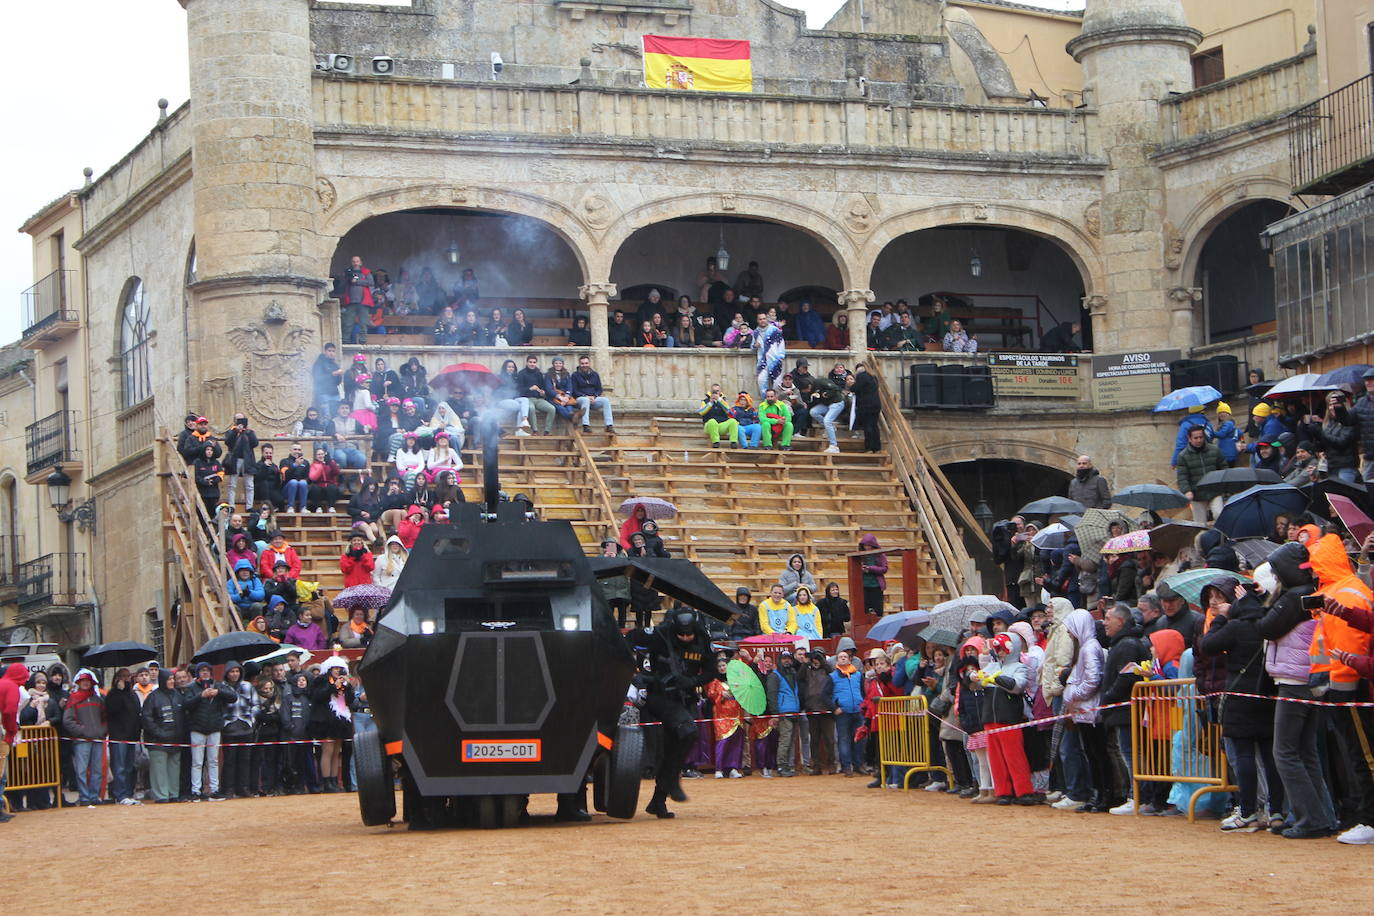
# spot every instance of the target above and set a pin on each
(1261, 409)
(1196, 409)
(1223, 407)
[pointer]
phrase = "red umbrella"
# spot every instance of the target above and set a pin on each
(463, 377)
(1359, 524)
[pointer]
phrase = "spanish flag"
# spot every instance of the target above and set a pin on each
(702, 64)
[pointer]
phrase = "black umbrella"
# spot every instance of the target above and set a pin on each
(678, 579)
(118, 654)
(1254, 551)
(232, 647)
(1171, 537)
(1052, 505)
(1317, 491)
(1152, 496)
(1258, 390)
(1233, 480)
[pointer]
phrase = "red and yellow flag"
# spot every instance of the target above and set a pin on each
(701, 64)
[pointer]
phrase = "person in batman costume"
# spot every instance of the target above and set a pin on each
(678, 660)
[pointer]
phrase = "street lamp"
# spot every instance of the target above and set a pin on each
(982, 512)
(453, 252)
(722, 256)
(59, 497)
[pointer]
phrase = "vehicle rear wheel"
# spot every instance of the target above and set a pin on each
(486, 812)
(621, 772)
(376, 787)
(511, 807)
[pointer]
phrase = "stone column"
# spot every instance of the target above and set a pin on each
(856, 302)
(253, 313)
(1183, 302)
(598, 296)
(1133, 53)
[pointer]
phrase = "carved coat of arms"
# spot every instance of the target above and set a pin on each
(275, 375)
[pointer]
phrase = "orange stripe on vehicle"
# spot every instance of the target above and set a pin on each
(604, 741)
(393, 747)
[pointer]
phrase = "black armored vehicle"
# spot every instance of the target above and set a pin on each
(497, 672)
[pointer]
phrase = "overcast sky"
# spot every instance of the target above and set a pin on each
(92, 72)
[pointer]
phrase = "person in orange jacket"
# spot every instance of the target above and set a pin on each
(1338, 641)
(357, 562)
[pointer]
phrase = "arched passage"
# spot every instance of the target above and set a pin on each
(1014, 285)
(1234, 272)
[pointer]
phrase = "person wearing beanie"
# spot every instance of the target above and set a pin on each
(1266, 425)
(83, 722)
(1193, 419)
(1226, 434)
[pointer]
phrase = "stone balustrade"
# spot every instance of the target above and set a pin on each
(1266, 93)
(566, 112)
(164, 145)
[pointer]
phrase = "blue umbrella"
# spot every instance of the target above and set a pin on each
(904, 626)
(1251, 512)
(1348, 377)
(1183, 398)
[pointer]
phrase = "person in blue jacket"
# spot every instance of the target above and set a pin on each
(1226, 434)
(784, 699)
(1194, 417)
(1271, 426)
(245, 590)
(848, 683)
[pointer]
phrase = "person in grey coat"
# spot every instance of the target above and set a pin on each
(794, 576)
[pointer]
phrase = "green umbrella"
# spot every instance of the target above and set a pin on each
(1092, 531)
(746, 687)
(1190, 583)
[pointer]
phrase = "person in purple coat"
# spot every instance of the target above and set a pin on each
(306, 633)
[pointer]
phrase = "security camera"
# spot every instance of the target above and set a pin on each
(496, 64)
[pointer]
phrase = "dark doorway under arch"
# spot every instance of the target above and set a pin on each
(1235, 275)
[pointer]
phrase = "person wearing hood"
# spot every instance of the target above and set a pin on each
(796, 574)
(1216, 550)
(1089, 487)
(246, 591)
(331, 719)
(747, 622)
(1125, 650)
(616, 588)
(653, 541)
(1004, 704)
(206, 711)
(1037, 740)
(164, 730)
(1247, 724)
(83, 721)
(874, 570)
(267, 728)
(834, 610)
(806, 617)
(1082, 696)
(387, 566)
(125, 727)
(298, 770)
(11, 682)
(237, 735)
(818, 702)
(968, 703)
(1337, 437)
(240, 548)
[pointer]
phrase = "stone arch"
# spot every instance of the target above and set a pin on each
(1074, 240)
(557, 216)
(1212, 210)
(820, 226)
(1042, 454)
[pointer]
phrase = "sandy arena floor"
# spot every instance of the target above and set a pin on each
(737, 846)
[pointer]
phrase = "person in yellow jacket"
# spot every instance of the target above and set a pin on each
(806, 616)
(775, 614)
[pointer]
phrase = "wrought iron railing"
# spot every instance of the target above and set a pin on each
(51, 441)
(47, 302)
(54, 580)
(1331, 141)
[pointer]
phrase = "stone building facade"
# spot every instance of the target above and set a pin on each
(232, 211)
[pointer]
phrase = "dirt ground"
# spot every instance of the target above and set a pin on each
(749, 845)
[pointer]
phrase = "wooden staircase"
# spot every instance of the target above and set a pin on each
(742, 512)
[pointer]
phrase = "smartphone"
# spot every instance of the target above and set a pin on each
(1313, 604)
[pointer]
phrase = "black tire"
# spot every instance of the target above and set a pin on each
(376, 787)
(510, 808)
(486, 812)
(599, 767)
(621, 773)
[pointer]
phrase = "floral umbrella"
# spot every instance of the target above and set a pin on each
(654, 507)
(1130, 542)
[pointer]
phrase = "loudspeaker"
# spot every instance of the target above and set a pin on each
(383, 66)
(341, 63)
(978, 386)
(925, 385)
(952, 380)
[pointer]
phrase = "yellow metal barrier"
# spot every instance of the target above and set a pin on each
(903, 732)
(1163, 712)
(33, 761)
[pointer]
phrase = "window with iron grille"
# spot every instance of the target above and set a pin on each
(135, 352)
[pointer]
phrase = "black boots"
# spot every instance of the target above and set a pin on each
(658, 805)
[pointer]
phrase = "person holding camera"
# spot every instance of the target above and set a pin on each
(357, 300)
(239, 459)
(331, 718)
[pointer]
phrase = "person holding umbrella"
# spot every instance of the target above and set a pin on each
(727, 723)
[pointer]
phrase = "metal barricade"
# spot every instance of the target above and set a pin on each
(903, 733)
(1169, 713)
(33, 761)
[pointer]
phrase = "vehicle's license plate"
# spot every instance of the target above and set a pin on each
(502, 751)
